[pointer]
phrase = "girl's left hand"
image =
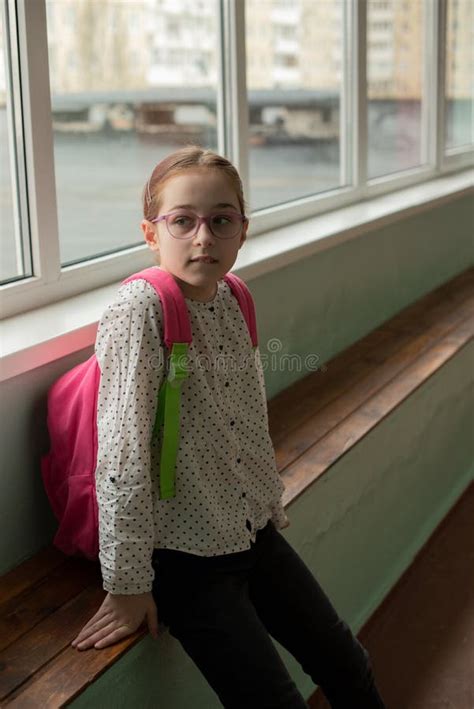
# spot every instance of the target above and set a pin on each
(117, 617)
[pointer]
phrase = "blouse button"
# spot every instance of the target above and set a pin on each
(243, 494)
(232, 423)
(238, 460)
(211, 308)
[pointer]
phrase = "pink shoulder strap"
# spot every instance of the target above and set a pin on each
(176, 319)
(244, 297)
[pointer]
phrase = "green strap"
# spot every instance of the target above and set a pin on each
(168, 414)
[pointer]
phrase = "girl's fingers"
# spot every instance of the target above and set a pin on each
(91, 627)
(93, 637)
(114, 636)
(98, 618)
(114, 620)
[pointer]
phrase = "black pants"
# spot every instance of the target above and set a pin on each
(223, 608)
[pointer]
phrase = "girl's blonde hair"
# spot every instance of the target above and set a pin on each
(190, 156)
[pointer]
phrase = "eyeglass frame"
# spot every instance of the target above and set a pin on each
(200, 221)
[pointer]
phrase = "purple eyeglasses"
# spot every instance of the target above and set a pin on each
(186, 224)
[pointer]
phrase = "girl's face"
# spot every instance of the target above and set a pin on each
(202, 189)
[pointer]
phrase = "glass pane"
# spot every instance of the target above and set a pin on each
(294, 74)
(131, 81)
(395, 55)
(459, 73)
(12, 250)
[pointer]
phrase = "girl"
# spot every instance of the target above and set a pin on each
(211, 559)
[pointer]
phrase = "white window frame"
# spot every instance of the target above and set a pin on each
(54, 283)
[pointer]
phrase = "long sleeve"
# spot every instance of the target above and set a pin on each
(131, 356)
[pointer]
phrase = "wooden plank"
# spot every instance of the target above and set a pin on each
(21, 613)
(351, 397)
(46, 639)
(450, 300)
(68, 674)
(289, 407)
(314, 462)
(380, 342)
(438, 311)
(30, 571)
(450, 295)
(422, 318)
(291, 412)
(400, 387)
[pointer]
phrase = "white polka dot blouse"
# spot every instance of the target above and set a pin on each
(227, 482)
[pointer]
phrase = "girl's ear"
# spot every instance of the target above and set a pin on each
(151, 234)
(243, 236)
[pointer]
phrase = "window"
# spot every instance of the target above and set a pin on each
(294, 97)
(114, 114)
(318, 103)
(459, 99)
(395, 95)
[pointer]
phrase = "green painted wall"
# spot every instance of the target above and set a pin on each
(376, 506)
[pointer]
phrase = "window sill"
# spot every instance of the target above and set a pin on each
(49, 333)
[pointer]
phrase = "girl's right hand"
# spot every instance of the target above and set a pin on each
(117, 617)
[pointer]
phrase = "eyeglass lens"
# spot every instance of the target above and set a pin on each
(183, 224)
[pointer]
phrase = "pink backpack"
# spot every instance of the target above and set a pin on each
(68, 470)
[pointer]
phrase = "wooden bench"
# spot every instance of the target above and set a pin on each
(46, 600)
